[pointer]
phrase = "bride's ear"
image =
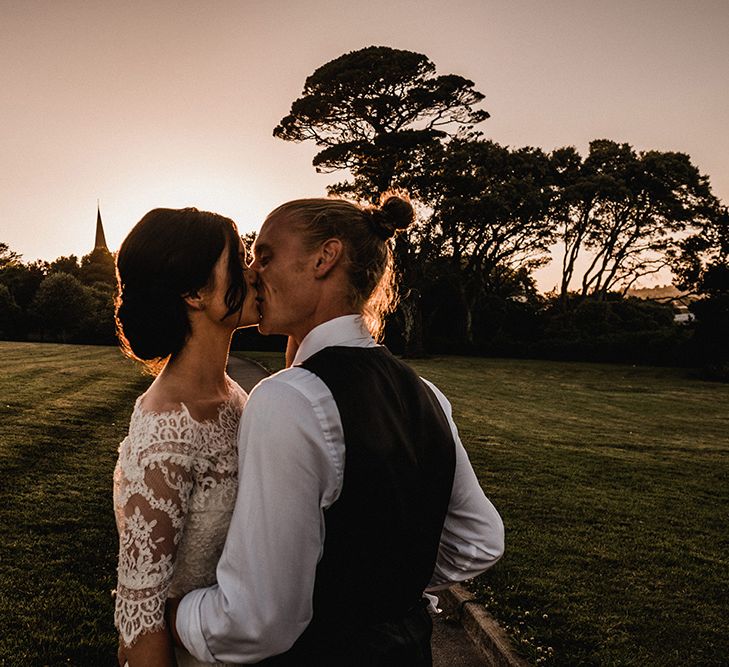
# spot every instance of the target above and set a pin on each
(194, 300)
(329, 255)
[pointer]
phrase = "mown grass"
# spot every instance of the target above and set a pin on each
(63, 411)
(612, 481)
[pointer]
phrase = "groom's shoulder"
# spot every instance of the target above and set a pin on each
(288, 384)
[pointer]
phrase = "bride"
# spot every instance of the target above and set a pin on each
(182, 292)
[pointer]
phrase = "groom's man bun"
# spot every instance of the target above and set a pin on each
(366, 233)
(169, 254)
(395, 214)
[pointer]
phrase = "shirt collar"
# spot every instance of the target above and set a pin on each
(348, 330)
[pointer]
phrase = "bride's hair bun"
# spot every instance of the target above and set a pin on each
(394, 214)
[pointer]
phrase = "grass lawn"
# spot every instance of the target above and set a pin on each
(612, 481)
(63, 411)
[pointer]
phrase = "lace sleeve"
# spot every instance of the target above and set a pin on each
(152, 485)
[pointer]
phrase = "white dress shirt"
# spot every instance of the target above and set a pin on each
(291, 453)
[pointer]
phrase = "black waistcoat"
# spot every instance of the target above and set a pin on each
(382, 533)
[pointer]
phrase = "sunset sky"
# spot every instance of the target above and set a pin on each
(147, 103)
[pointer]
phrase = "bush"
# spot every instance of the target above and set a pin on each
(711, 335)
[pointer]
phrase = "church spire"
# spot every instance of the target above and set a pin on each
(100, 238)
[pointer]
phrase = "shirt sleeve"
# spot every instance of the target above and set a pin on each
(472, 539)
(263, 599)
(152, 485)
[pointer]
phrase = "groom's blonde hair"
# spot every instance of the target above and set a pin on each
(366, 234)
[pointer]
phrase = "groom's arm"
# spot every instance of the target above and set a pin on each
(472, 539)
(263, 599)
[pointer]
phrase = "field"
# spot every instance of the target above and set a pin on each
(613, 483)
(63, 411)
(614, 487)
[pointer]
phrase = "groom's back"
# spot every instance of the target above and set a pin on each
(382, 533)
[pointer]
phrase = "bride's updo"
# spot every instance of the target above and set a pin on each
(169, 254)
(366, 233)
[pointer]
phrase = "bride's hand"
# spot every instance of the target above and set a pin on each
(121, 654)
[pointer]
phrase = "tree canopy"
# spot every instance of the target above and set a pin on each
(627, 209)
(371, 111)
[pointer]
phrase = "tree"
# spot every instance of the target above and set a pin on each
(370, 110)
(10, 313)
(701, 264)
(99, 326)
(98, 267)
(489, 218)
(701, 260)
(61, 306)
(626, 209)
(69, 265)
(8, 256)
(23, 280)
(374, 112)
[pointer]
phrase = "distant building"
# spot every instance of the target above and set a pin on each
(100, 241)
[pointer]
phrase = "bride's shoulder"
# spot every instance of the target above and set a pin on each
(158, 426)
(238, 395)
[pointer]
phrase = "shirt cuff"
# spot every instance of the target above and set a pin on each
(189, 626)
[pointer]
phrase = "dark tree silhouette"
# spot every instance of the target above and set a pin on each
(374, 112)
(10, 313)
(69, 265)
(627, 209)
(23, 279)
(701, 263)
(701, 260)
(490, 217)
(8, 256)
(61, 306)
(98, 267)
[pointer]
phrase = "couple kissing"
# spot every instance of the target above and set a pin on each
(302, 524)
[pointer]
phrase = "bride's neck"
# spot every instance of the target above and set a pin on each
(200, 365)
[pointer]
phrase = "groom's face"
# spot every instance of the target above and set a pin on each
(286, 286)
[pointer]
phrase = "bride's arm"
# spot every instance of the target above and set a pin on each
(152, 649)
(151, 492)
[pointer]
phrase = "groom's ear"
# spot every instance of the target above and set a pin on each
(194, 300)
(329, 255)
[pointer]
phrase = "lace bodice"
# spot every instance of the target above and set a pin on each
(175, 484)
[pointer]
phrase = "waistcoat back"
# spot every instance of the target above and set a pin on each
(382, 533)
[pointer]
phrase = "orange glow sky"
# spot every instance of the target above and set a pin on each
(146, 103)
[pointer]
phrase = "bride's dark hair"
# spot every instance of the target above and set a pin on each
(169, 254)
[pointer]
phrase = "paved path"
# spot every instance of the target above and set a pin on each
(451, 645)
(246, 373)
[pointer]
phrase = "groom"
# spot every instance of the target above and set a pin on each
(355, 492)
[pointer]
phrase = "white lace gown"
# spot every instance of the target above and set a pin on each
(175, 484)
